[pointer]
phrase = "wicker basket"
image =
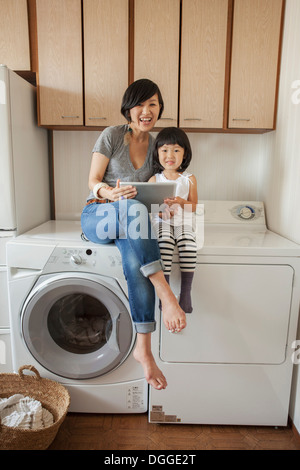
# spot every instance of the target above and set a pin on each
(52, 395)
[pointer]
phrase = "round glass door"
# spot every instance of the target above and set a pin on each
(79, 323)
(77, 327)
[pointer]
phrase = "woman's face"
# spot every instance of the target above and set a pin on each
(144, 115)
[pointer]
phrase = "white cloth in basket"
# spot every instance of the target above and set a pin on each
(23, 412)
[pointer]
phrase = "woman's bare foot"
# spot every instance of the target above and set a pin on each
(143, 355)
(173, 315)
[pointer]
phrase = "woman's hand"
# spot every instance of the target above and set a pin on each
(117, 193)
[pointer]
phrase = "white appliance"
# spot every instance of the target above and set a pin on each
(233, 362)
(24, 179)
(70, 318)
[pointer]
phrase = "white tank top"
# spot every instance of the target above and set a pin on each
(182, 183)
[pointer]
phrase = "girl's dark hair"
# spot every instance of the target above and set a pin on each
(172, 136)
(138, 92)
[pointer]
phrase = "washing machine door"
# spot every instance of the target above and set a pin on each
(77, 325)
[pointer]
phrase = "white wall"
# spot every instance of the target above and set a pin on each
(281, 183)
(227, 166)
(281, 186)
(72, 157)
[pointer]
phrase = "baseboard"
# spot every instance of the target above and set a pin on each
(294, 429)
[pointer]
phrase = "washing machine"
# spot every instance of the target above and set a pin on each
(232, 364)
(70, 318)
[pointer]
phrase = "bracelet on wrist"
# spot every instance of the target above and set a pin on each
(97, 188)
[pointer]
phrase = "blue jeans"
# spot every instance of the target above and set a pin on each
(127, 223)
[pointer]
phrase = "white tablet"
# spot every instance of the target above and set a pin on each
(152, 193)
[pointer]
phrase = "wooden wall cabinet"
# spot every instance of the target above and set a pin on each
(65, 57)
(106, 36)
(254, 63)
(156, 50)
(203, 63)
(59, 77)
(14, 35)
(230, 64)
(216, 62)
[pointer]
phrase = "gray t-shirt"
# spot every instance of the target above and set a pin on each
(111, 144)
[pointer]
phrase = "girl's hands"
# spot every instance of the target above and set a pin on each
(166, 214)
(117, 193)
(175, 202)
(174, 206)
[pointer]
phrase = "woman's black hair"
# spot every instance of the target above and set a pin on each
(138, 92)
(172, 136)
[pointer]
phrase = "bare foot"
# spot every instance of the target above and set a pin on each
(153, 374)
(173, 316)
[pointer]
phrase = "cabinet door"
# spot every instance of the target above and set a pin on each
(156, 46)
(59, 62)
(105, 60)
(203, 59)
(14, 34)
(255, 55)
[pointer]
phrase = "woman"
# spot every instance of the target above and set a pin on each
(125, 152)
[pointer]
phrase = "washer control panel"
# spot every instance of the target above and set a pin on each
(84, 258)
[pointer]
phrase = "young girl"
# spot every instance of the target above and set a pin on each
(171, 156)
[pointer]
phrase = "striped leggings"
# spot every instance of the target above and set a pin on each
(168, 237)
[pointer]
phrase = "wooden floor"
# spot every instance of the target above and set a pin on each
(133, 432)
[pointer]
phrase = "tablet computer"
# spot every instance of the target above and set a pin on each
(152, 193)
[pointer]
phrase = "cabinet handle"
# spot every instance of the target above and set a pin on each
(241, 119)
(193, 119)
(168, 119)
(64, 117)
(90, 118)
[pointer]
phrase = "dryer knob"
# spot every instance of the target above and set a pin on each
(246, 212)
(76, 259)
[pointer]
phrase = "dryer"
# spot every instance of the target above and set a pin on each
(70, 318)
(232, 364)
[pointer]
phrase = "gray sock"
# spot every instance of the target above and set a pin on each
(185, 301)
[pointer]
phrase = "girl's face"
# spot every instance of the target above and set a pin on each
(171, 156)
(144, 115)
